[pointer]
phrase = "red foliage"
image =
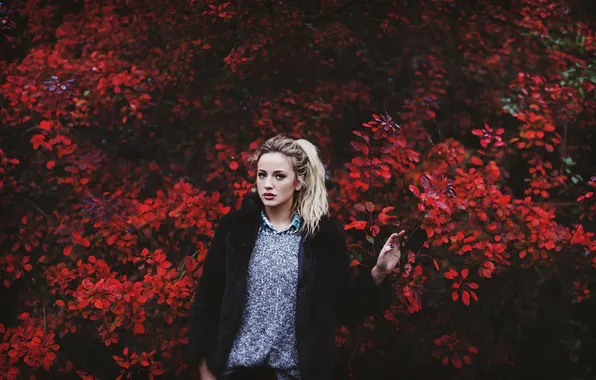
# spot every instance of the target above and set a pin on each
(126, 128)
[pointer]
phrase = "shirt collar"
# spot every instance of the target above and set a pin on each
(292, 228)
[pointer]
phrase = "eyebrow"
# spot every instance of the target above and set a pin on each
(276, 171)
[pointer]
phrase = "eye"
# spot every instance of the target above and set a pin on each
(261, 175)
(280, 176)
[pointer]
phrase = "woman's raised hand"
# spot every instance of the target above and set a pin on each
(390, 253)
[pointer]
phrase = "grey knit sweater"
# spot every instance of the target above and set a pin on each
(267, 335)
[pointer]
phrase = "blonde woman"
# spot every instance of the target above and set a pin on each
(277, 281)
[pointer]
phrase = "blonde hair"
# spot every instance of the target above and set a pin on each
(311, 200)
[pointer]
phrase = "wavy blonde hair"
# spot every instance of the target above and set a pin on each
(311, 200)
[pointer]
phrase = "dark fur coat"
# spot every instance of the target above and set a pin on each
(328, 293)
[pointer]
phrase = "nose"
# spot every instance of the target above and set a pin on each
(268, 183)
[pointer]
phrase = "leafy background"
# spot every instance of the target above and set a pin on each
(125, 128)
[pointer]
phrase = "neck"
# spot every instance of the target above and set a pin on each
(280, 216)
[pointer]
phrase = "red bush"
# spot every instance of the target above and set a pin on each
(125, 131)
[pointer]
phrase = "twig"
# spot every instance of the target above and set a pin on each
(182, 265)
(354, 350)
(38, 208)
(573, 235)
(44, 320)
(417, 224)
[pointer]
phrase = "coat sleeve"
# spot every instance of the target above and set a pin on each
(205, 311)
(356, 295)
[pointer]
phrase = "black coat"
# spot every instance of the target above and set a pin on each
(328, 293)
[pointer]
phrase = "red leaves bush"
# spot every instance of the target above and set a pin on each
(124, 142)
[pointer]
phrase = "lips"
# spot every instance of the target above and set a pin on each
(268, 196)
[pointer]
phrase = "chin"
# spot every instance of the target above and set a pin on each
(272, 203)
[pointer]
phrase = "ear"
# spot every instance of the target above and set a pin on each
(298, 183)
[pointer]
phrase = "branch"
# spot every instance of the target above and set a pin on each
(38, 209)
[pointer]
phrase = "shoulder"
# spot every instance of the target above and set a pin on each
(231, 220)
(330, 232)
(330, 225)
(247, 214)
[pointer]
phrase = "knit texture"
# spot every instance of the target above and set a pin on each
(267, 335)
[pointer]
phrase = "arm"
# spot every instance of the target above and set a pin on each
(204, 315)
(360, 295)
(378, 275)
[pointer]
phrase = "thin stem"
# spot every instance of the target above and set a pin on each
(38, 208)
(417, 223)
(45, 324)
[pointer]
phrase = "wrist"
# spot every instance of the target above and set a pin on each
(378, 274)
(377, 270)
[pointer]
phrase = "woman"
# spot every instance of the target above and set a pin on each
(277, 281)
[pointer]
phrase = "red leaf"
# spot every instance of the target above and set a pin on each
(81, 240)
(45, 125)
(98, 303)
(454, 296)
(67, 250)
(451, 274)
(473, 349)
(112, 239)
(233, 165)
(465, 298)
(359, 207)
(385, 174)
(50, 164)
(138, 328)
(369, 206)
(436, 264)
(362, 135)
(464, 273)
(375, 230)
(13, 353)
(414, 190)
(359, 225)
(361, 147)
(456, 360)
(476, 161)
(442, 205)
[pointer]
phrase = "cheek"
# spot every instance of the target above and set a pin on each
(288, 187)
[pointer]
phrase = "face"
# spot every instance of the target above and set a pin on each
(276, 180)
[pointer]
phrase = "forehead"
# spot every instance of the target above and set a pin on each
(275, 161)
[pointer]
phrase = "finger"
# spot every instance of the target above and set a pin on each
(395, 238)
